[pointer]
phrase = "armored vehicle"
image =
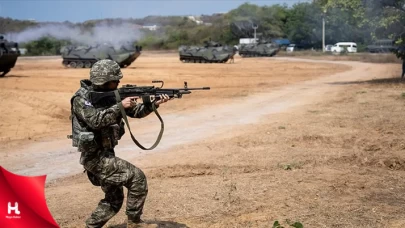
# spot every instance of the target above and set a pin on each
(382, 46)
(86, 56)
(211, 52)
(9, 53)
(262, 48)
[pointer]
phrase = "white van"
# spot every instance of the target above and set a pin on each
(341, 46)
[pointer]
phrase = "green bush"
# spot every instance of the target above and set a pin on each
(45, 46)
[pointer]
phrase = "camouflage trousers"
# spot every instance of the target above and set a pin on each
(112, 174)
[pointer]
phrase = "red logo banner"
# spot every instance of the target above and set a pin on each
(22, 201)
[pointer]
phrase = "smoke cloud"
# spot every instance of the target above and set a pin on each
(116, 34)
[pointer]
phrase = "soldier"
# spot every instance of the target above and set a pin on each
(96, 130)
(231, 57)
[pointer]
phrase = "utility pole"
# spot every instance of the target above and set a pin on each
(323, 30)
(255, 27)
(323, 33)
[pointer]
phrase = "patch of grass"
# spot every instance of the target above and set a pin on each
(263, 84)
(361, 92)
(290, 166)
(281, 127)
(277, 224)
(403, 95)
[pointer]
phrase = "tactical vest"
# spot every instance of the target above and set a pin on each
(91, 140)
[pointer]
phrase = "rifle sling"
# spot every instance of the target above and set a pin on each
(124, 116)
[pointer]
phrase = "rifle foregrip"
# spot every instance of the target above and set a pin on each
(147, 100)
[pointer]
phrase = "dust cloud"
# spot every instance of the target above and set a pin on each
(116, 34)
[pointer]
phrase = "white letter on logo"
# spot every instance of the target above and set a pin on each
(15, 208)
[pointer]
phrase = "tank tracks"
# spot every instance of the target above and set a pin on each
(75, 63)
(197, 59)
(4, 72)
(246, 54)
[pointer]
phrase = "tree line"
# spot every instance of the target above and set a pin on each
(360, 21)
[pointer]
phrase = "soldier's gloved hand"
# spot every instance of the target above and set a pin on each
(163, 99)
(129, 102)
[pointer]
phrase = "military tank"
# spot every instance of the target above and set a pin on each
(86, 56)
(9, 53)
(211, 52)
(263, 48)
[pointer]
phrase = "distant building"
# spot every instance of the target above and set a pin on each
(150, 27)
(136, 26)
(247, 40)
(191, 18)
(196, 20)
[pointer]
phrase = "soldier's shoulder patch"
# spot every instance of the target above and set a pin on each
(87, 103)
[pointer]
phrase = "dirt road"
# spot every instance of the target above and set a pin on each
(266, 146)
(56, 159)
(53, 156)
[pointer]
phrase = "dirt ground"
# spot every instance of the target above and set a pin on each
(359, 56)
(274, 139)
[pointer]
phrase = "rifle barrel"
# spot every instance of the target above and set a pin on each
(203, 88)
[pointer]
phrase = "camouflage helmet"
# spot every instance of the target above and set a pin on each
(104, 71)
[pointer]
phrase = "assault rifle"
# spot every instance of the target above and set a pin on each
(148, 95)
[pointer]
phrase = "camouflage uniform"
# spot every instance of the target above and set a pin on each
(97, 155)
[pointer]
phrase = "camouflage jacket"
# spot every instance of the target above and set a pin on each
(105, 123)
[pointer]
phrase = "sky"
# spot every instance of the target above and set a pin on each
(79, 11)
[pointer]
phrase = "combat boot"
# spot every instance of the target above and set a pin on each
(138, 223)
